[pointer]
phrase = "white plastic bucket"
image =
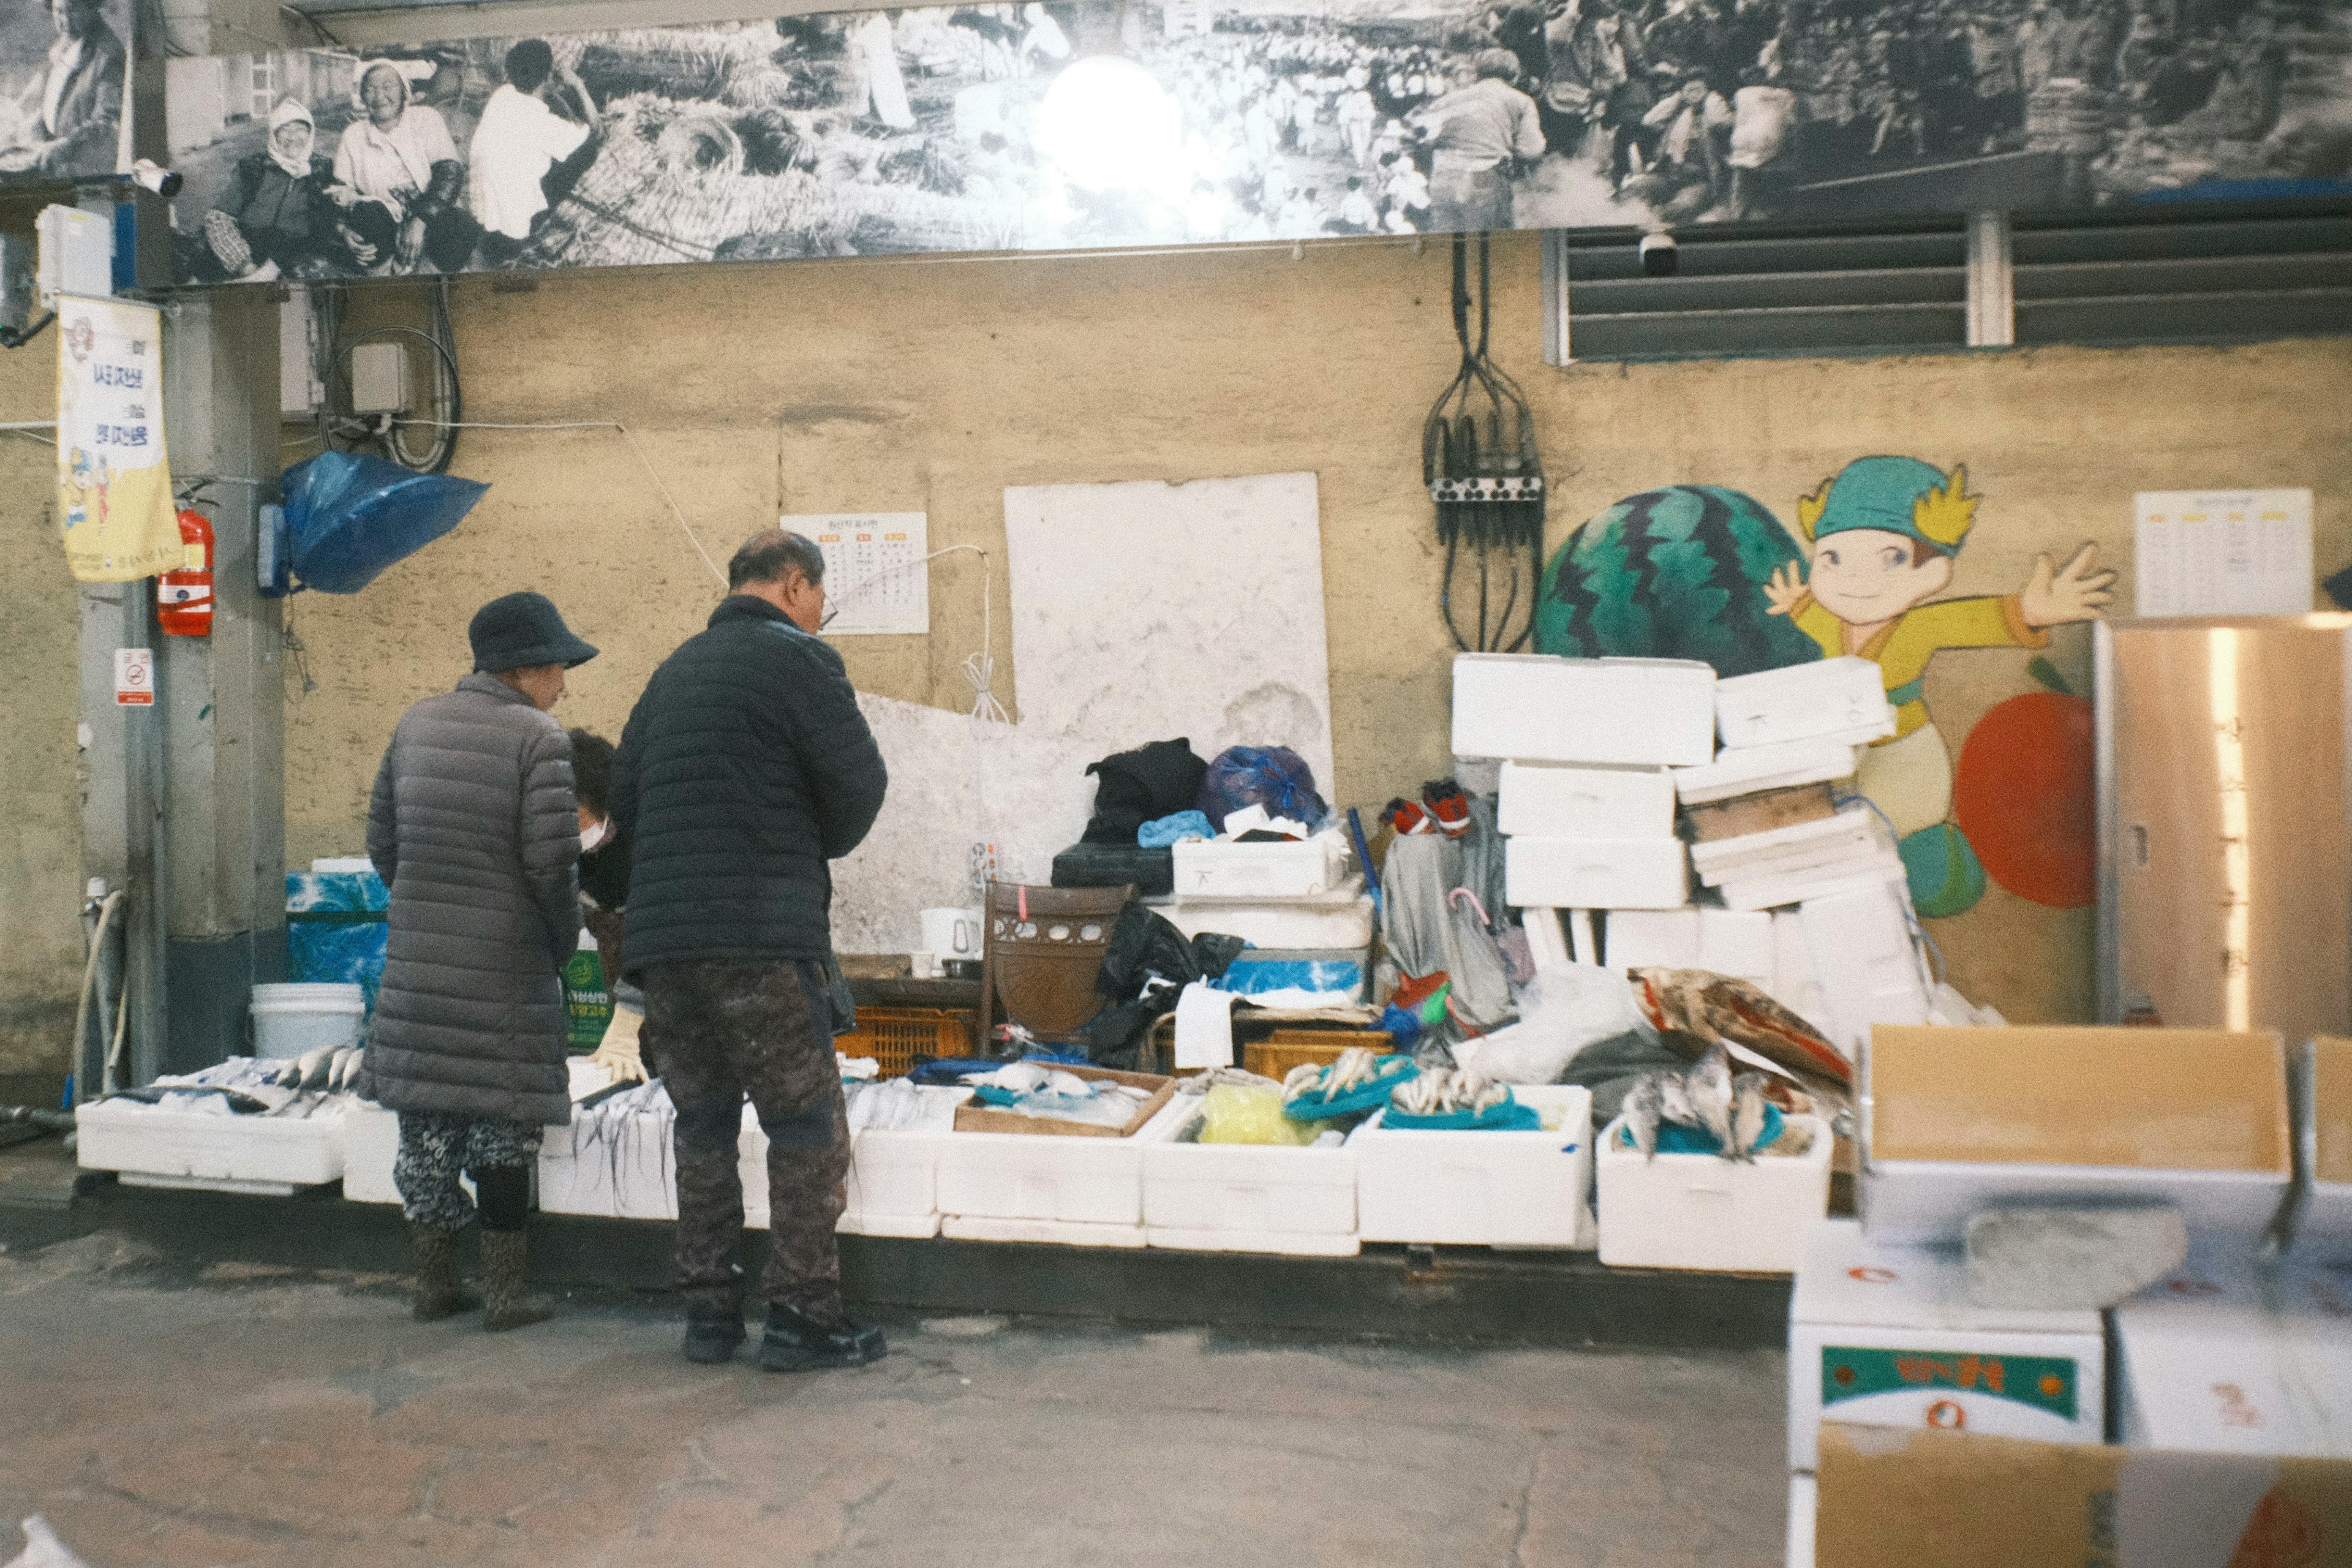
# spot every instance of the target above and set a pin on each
(288, 1020)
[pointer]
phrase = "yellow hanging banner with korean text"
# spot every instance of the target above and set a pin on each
(114, 483)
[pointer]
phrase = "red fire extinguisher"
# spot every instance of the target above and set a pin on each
(183, 599)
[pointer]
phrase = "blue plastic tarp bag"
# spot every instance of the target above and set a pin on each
(335, 928)
(1273, 777)
(348, 516)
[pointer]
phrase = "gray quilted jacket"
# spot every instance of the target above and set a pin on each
(475, 829)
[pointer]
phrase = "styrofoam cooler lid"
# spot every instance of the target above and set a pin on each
(309, 997)
(341, 865)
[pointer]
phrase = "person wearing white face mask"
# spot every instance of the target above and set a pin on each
(604, 889)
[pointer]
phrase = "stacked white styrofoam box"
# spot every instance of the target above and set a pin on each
(1022, 1186)
(2230, 1356)
(1338, 919)
(1236, 1198)
(1803, 1498)
(1886, 1336)
(1482, 1189)
(1832, 698)
(1820, 859)
(1586, 806)
(370, 1145)
(1725, 942)
(1309, 869)
(1703, 1211)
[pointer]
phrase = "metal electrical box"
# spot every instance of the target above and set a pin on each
(379, 379)
(76, 254)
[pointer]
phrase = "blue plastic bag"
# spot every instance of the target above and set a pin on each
(1273, 777)
(335, 928)
(348, 516)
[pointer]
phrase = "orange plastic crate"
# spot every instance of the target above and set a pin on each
(894, 1037)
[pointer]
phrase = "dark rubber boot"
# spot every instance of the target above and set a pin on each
(439, 1293)
(507, 1305)
(795, 1342)
(712, 1336)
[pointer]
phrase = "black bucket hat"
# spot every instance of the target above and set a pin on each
(522, 630)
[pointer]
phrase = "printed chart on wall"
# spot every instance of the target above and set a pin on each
(2223, 552)
(875, 579)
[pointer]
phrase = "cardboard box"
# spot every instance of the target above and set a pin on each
(1544, 800)
(1704, 1212)
(1481, 1189)
(974, 1116)
(1725, 941)
(1634, 712)
(1957, 1500)
(2227, 1354)
(1595, 874)
(1884, 1336)
(2324, 1217)
(1844, 699)
(1957, 1119)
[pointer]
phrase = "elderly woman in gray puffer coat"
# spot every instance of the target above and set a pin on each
(474, 828)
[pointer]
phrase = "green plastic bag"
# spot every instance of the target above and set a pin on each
(587, 1000)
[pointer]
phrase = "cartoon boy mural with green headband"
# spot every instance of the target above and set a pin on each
(1885, 532)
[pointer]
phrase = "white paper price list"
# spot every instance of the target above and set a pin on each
(875, 577)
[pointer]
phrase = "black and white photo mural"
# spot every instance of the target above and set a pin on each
(1099, 124)
(65, 74)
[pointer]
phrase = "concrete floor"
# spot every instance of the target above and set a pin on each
(156, 1415)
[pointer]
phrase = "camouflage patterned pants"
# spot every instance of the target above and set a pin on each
(715, 1030)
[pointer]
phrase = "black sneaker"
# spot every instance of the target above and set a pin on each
(711, 1340)
(796, 1343)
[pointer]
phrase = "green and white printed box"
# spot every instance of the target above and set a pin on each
(1886, 1336)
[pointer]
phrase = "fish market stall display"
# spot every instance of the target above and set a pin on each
(1030, 1174)
(1458, 1174)
(1702, 1170)
(613, 1161)
(250, 1125)
(897, 1129)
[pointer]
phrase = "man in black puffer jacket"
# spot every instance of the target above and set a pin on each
(744, 769)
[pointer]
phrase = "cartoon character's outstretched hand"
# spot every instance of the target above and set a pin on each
(1786, 590)
(2075, 591)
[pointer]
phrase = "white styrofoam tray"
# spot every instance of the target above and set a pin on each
(1923, 1202)
(1551, 800)
(1702, 1211)
(1854, 834)
(1481, 1189)
(1298, 869)
(1752, 769)
(1048, 1177)
(204, 1147)
(1595, 873)
(1845, 698)
(1886, 1336)
(1638, 712)
(1232, 1197)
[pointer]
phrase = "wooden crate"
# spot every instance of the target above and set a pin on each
(1276, 1055)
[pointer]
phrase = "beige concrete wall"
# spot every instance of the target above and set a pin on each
(934, 385)
(40, 801)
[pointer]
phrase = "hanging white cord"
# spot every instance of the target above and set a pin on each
(626, 434)
(979, 669)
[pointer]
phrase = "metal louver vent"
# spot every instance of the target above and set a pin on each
(2149, 275)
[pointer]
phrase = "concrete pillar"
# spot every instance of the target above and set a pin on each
(222, 697)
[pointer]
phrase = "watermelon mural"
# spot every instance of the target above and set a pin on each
(1706, 572)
